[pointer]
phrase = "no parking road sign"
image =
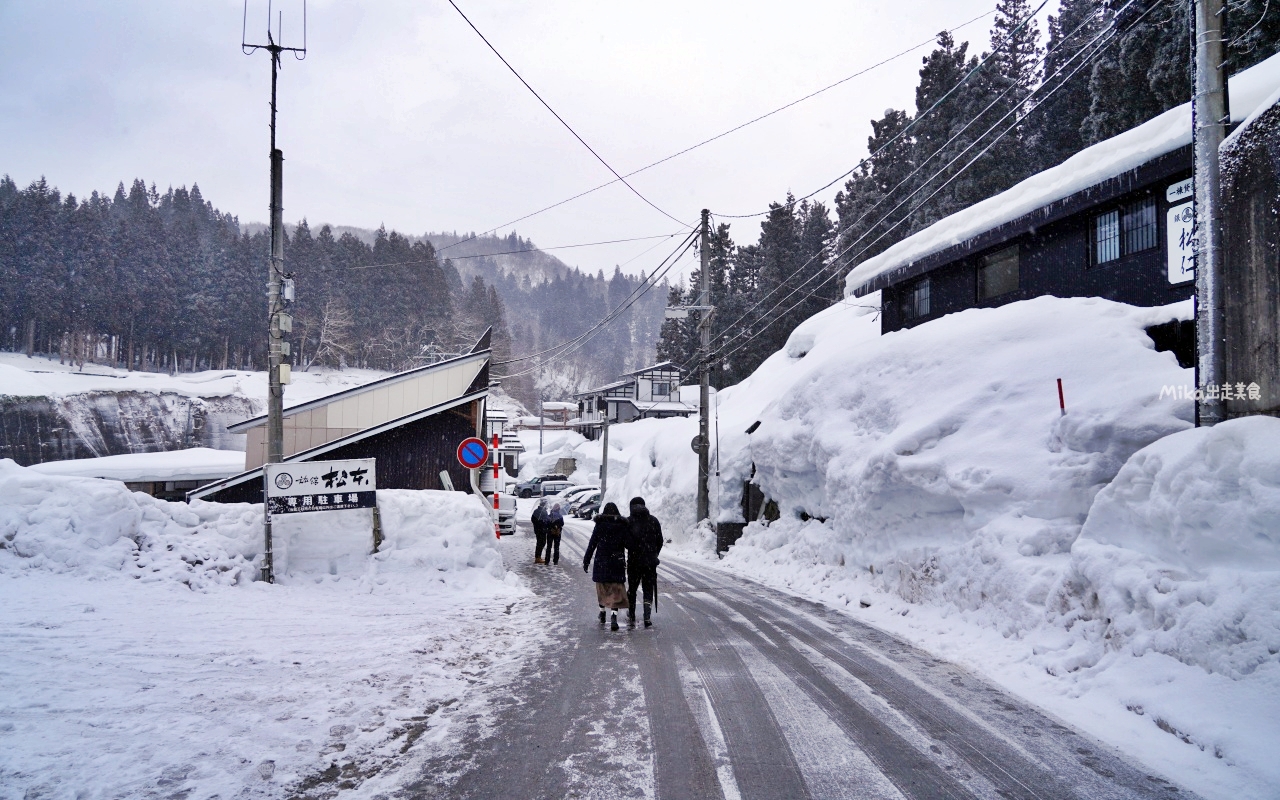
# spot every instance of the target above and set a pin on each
(473, 453)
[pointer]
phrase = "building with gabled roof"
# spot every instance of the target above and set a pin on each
(411, 422)
(1112, 221)
(652, 392)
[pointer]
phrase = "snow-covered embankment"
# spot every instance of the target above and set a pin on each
(142, 651)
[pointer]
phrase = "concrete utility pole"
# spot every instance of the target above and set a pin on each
(1210, 118)
(278, 292)
(704, 389)
(604, 452)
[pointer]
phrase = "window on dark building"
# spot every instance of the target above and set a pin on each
(1106, 237)
(915, 300)
(1140, 226)
(998, 273)
(1123, 231)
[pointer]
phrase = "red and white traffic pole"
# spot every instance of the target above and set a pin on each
(497, 530)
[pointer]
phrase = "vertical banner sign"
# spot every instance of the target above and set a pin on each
(297, 487)
(1180, 230)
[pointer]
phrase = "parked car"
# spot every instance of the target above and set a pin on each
(583, 499)
(574, 494)
(506, 514)
(588, 510)
(543, 485)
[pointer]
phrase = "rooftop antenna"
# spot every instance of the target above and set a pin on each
(279, 284)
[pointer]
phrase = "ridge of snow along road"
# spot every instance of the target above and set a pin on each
(1114, 564)
(140, 650)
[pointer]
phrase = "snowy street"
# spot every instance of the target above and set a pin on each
(743, 692)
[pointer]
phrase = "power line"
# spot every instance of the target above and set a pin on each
(562, 121)
(528, 250)
(723, 134)
(905, 130)
(574, 345)
(641, 289)
(1111, 35)
(943, 147)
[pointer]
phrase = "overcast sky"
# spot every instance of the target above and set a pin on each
(401, 115)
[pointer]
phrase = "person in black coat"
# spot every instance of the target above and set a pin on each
(539, 520)
(644, 542)
(609, 546)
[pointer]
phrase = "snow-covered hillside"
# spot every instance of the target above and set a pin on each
(142, 652)
(54, 411)
(1112, 563)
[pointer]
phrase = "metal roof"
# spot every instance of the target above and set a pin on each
(241, 427)
(308, 455)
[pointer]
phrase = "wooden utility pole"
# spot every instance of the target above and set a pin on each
(1210, 118)
(704, 389)
(279, 322)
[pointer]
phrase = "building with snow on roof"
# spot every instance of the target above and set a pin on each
(649, 393)
(1114, 221)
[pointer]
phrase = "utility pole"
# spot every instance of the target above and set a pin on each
(279, 287)
(1210, 118)
(604, 450)
(704, 390)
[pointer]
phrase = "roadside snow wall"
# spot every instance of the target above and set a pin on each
(97, 528)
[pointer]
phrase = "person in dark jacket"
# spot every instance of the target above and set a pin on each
(609, 546)
(555, 526)
(539, 520)
(644, 542)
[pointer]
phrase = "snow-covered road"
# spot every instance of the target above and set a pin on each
(743, 692)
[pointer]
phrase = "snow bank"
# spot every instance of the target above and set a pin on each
(1180, 553)
(98, 529)
(926, 480)
(193, 463)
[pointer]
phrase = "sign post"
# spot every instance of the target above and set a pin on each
(304, 486)
(473, 453)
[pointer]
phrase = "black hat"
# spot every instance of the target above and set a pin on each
(637, 501)
(611, 510)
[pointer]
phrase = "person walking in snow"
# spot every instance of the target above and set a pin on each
(539, 521)
(644, 542)
(555, 525)
(609, 546)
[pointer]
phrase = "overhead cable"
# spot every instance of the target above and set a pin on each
(734, 129)
(561, 119)
(905, 130)
(1111, 35)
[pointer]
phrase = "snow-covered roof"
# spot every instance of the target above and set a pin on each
(663, 406)
(559, 406)
(193, 464)
(1168, 132)
(665, 366)
(605, 388)
(480, 356)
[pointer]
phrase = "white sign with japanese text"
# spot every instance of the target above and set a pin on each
(320, 485)
(1181, 232)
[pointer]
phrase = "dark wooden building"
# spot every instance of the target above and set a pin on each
(411, 423)
(1113, 221)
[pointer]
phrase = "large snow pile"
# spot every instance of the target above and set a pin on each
(98, 528)
(1180, 553)
(927, 481)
